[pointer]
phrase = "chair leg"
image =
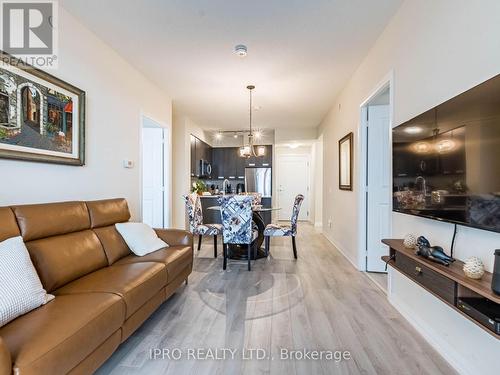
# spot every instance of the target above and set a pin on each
(224, 251)
(267, 243)
(215, 246)
(199, 242)
(294, 245)
(186, 281)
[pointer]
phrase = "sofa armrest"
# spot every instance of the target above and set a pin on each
(5, 360)
(175, 237)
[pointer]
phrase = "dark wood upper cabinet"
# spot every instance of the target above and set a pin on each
(218, 163)
(230, 162)
(227, 163)
(199, 150)
(193, 156)
(240, 167)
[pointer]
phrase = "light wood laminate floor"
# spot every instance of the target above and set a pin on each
(319, 302)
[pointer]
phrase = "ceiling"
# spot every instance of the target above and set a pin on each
(300, 53)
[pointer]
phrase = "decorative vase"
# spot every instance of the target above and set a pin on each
(474, 268)
(495, 281)
(410, 241)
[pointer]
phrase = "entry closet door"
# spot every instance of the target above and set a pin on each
(378, 208)
(152, 177)
(293, 179)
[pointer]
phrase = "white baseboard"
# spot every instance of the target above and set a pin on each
(341, 251)
(450, 355)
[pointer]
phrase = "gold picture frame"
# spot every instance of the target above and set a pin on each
(42, 118)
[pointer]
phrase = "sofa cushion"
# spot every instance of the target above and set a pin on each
(176, 258)
(140, 238)
(8, 224)
(108, 211)
(20, 288)
(61, 259)
(44, 220)
(135, 283)
(54, 338)
(113, 243)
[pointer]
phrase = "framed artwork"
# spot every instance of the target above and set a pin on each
(42, 118)
(345, 162)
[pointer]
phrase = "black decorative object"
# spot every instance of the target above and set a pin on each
(495, 281)
(433, 253)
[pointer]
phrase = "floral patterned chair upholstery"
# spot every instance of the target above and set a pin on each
(237, 228)
(196, 225)
(275, 230)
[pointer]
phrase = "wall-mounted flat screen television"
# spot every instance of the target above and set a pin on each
(446, 161)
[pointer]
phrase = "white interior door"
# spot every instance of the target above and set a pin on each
(293, 179)
(152, 176)
(378, 205)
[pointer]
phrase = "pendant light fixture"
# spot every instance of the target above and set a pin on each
(248, 150)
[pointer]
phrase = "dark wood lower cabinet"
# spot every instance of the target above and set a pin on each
(449, 284)
(429, 279)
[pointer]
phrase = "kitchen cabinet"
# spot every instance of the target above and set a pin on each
(261, 161)
(240, 167)
(218, 163)
(193, 156)
(227, 163)
(199, 150)
(230, 162)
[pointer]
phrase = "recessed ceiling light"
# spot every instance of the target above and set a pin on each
(240, 50)
(413, 130)
(218, 135)
(235, 135)
(293, 145)
(257, 134)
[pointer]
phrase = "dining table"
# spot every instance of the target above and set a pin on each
(239, 252)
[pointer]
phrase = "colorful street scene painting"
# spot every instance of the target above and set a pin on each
(35, 116)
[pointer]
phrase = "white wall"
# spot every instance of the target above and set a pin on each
(116, 96)
(285, 135)
(317, 182)
(436, 49)
(182, 129)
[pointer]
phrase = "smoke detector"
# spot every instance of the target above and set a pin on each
(240, 50)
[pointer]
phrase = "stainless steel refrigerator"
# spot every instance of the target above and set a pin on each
(258, 180)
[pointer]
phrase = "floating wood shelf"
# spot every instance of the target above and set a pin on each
(445, 282)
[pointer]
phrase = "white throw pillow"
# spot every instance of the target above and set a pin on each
(20, 288)
(140, 237)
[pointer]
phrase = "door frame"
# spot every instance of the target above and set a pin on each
(308, 192)
(167, 167)
(386, 82)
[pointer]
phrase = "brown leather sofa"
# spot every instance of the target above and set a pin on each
(103, 292)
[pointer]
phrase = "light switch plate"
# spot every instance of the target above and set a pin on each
(128, 164)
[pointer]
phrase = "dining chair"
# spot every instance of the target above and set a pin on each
(276, 230)
(237, 229)
(196, 225)
(256, 198)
